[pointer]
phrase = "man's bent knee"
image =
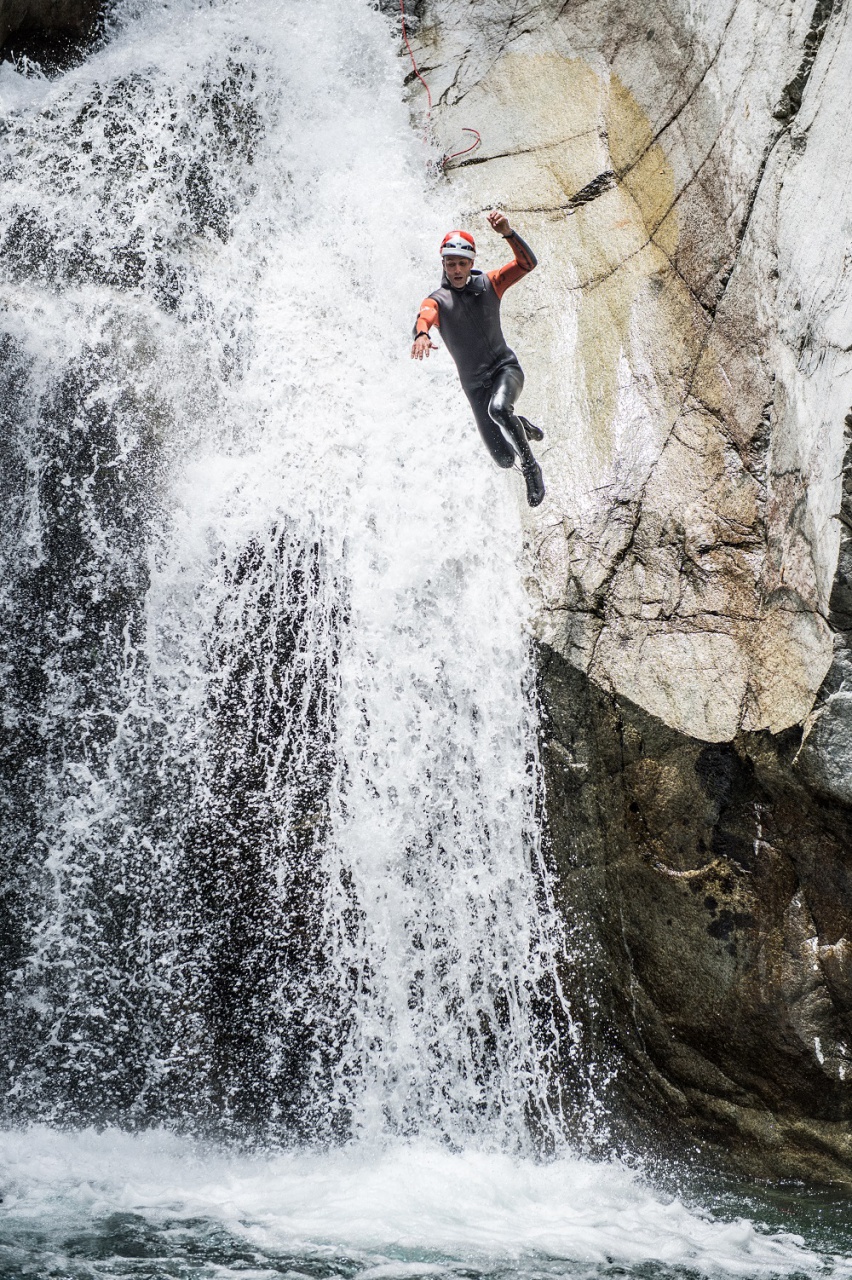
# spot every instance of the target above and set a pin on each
(503, 417)
(500, 446)
(510, 428)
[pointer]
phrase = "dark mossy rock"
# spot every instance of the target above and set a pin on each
(712, 889)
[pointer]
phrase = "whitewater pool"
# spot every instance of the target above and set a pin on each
(112, 1204)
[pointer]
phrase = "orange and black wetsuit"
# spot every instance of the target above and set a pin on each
(492, 378)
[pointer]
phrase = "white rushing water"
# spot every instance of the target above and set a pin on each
(269, 778)
(104, 1204)
(291, 855)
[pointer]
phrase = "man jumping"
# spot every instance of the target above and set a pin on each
(466, 309)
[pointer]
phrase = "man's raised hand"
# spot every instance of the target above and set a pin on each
(499, 222)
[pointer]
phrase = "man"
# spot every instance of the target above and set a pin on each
(466, 309)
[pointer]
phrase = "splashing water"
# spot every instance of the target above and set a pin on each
(272, 781)
(115, 1204)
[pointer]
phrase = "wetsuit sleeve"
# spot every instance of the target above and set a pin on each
(523, 262)
(426, 317)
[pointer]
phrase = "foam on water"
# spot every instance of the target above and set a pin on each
(380, 1212)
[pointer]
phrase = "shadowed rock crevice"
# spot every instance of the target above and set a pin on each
(792, 93)
(826, 754)
(603, 182)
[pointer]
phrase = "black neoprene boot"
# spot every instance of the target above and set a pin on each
(514, 428)
(534, 481)
(531, 431)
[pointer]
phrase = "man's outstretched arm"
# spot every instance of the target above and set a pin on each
(523, 262)
(426, 317)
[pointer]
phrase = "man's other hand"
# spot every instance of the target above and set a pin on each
(422, 346)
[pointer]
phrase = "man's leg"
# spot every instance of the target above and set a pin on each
(493, 437)
(505, 389)
(532, 431)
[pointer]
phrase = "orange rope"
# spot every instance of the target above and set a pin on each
(414, 63)
(477, 140)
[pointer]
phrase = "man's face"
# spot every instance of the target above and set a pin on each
(458, 270)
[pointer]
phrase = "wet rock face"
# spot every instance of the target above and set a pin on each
(686, 342)
(715, 890)
(49, 32)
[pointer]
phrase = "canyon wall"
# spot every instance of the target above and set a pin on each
(680, 169)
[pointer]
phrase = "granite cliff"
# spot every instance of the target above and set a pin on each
(680, 168)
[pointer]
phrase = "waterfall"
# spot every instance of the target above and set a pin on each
(269, 776)
(274, 892)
